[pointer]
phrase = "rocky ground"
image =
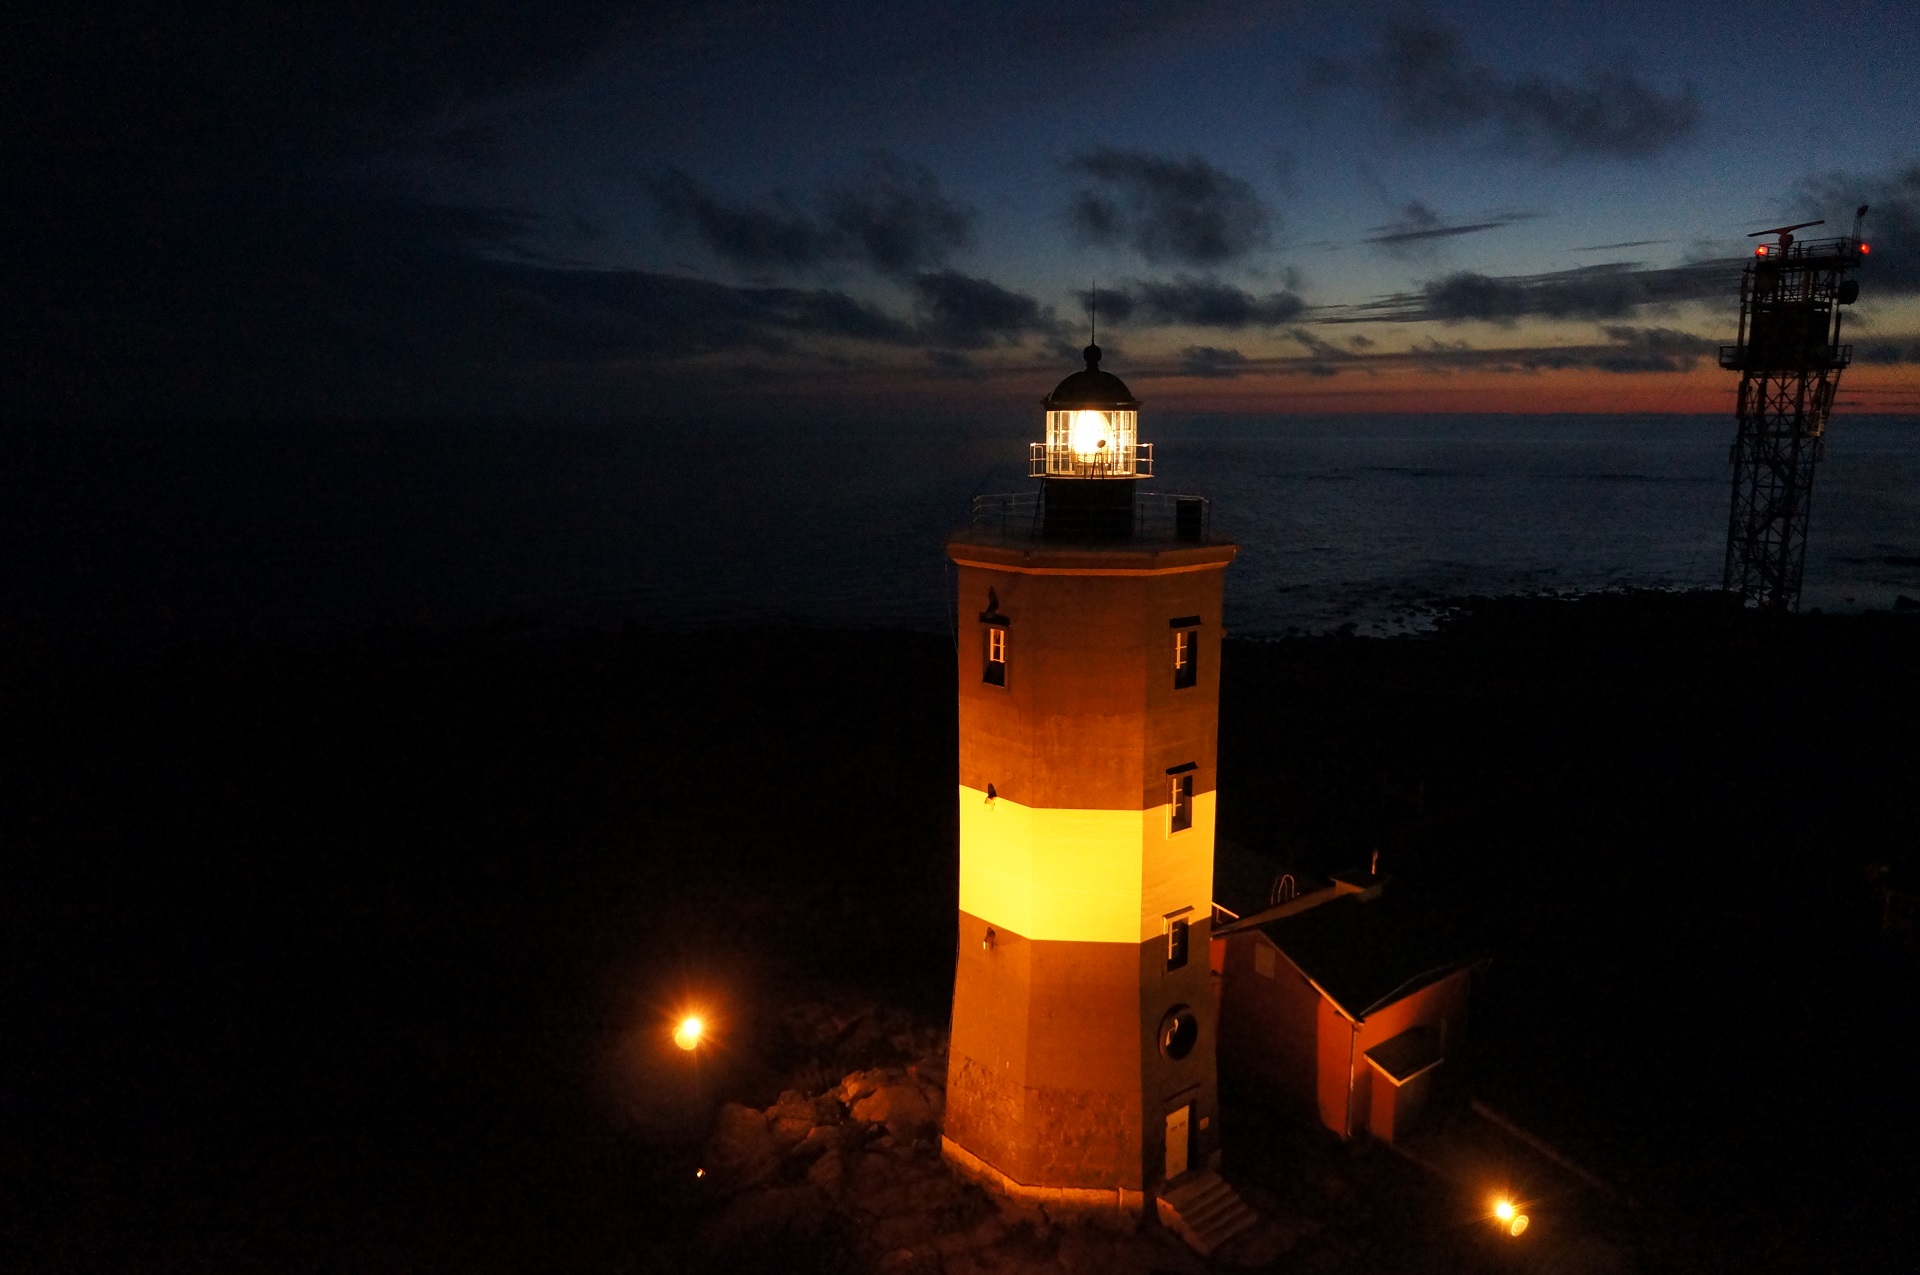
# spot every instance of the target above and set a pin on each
(361, 957)
(852, 1177)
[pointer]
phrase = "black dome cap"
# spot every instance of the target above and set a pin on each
(1091, 388)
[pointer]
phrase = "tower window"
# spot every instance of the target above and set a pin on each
(1176, 942)
(994, 671)
(1180, 802)
(1186, 658)
(1179, 1032)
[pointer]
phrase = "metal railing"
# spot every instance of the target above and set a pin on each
(1804, 249)
(1155, 518)
(1737, 358)
(1044, 461)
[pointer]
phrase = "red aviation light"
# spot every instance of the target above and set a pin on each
(1865, 249)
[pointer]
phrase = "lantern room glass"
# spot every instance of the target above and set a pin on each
(1093, 443)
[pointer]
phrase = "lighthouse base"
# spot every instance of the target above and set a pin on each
(1087, 1201)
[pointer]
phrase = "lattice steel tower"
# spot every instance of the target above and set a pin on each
(1789, 358)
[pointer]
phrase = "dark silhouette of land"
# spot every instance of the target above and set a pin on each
(361, 954)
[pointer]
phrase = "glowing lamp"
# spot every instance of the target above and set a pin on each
(688, 1032)
(1865, 249)
(1091, 436)
(1511, 1219)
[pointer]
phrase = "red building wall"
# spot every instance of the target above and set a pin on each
(1281, 1034)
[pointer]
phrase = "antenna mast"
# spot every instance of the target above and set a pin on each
(1789, 357)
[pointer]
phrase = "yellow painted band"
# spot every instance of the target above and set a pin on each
(1091, 876)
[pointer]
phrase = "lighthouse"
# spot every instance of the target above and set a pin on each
(1082, 1059)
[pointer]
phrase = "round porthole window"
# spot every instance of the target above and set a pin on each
(1179, 1032)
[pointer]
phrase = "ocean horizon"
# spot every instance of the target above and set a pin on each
(197, 532)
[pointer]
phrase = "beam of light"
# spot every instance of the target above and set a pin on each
(688, 1031)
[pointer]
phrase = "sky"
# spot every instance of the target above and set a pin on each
(842, 208)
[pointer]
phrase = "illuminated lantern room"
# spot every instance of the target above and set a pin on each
(1092, 455)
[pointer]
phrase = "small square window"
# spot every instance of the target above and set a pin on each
(1176, 942)
(1180, 803)
(994, 672)
(1186, 658)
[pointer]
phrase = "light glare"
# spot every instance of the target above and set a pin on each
(687, 1034)
(1090, 435)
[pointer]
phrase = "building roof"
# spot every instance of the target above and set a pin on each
(1245, 883)
(1366, 953)
(1091, 388)
(1401, 1058)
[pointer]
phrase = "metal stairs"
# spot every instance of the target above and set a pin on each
(1204, 1211)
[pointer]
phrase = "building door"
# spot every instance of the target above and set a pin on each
(1178, 1141)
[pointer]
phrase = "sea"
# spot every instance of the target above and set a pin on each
(197, 531)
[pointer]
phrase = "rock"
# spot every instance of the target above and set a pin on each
(828, 1109)
(906, 1261)
(740, 1153)
(910, 1230)
(931, 1072)
(762, 1219)
(790, 1119)
(872, 1173)
(857, 1085)
(901, 1107)
(987, 1232)
(828, 1173)
(1020, 1213)
(818, 1141)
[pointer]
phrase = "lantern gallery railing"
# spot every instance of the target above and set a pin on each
(1156, 517)
(1062, 460)
(1092, 442)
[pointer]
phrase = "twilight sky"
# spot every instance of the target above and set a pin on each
(851, 208)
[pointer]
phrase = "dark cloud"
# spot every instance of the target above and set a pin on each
(1199, 303)
(1894, 347)
(1652, 349)
(1183, 211)
(966, 313)
(779, 237)
(952, 363)
(1211, 361)
(1625, 243)
(1433, 86)
(1612, 291)
(1418, 228)
(1627, 349)
(1892, 227)
(184, 195)
(1314, 344)
(893, 219)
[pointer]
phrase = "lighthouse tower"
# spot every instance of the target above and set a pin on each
(1082, 1062)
